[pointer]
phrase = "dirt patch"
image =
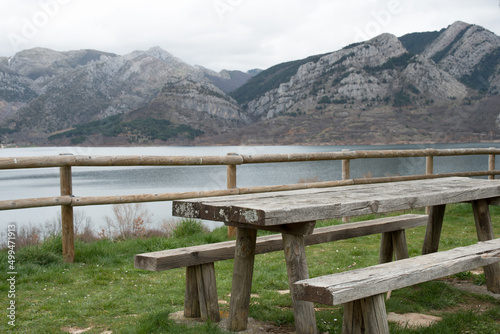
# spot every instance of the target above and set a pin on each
(412, 319)
(75, 330)
(468, 286)
(254, 326)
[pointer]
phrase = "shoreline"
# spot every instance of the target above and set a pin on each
(265, 144)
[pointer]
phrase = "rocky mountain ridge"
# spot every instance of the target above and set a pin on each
(357, 74)
(363, 71)
(47, 91)
(433, 86)
(437, 86)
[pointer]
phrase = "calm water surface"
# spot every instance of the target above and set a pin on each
(101, 181)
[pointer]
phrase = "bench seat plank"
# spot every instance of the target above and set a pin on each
(365, 282)
(201, 254)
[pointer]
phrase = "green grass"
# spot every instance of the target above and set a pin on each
(102, 290)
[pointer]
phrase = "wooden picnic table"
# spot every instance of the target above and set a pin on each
(294, 213)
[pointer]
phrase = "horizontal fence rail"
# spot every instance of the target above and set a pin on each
(68, 160)
(67, 200)
(124, 199)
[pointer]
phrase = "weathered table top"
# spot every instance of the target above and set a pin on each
(287, 207)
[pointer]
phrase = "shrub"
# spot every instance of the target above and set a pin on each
(325, 100)
(129, 220)
(37, 255)
(43, 254)
(187, 227)
(401, 99)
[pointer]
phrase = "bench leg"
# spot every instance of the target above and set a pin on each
(484, 230)
(353, 318)
(242, 278)
(201, 300)
(367, 316)
(191, 299)
(296, 265)
(207, 292)
(375, 315)
(434, 227)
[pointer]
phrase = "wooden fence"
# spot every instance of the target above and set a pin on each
(67, 200)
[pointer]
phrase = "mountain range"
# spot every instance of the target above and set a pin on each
(440, 86)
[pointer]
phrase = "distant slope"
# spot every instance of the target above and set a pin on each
(43, 92)
(269, 79)
(228, 81)
(417, 42)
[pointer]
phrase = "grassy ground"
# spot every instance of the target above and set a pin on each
(101, 290)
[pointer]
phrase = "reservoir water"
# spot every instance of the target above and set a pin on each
(101, 181)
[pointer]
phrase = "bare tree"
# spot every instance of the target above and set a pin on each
(129, 220)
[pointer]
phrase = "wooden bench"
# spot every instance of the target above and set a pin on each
(201, 292)
(361, 291)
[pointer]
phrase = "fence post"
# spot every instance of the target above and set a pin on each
(346, 175)
(491, 165)
(231, 183)
(429, 170)
(68, 237)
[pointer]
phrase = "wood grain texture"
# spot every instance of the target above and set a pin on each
(434, 227)
(195, 255)
(353, 318)
(366, 315)
(386, 248)
(67, 230)
(374, 315)
(121, 199)
(85, 160)
(242, 279)
(305, 228)
(399, 244)
(393, 245)
(231, 183)
(365, 282)
(201, 294)
(207, 292)
(296, 265)
(491, 165)
(484, 229)
(286, 207)
(191, 298)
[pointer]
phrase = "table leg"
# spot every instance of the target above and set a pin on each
(242, 279)
(434, 226)
(484, 230)
(399, 244)
(296, 264)
(386, 248)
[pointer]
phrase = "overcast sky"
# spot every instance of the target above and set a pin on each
(227, 34)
